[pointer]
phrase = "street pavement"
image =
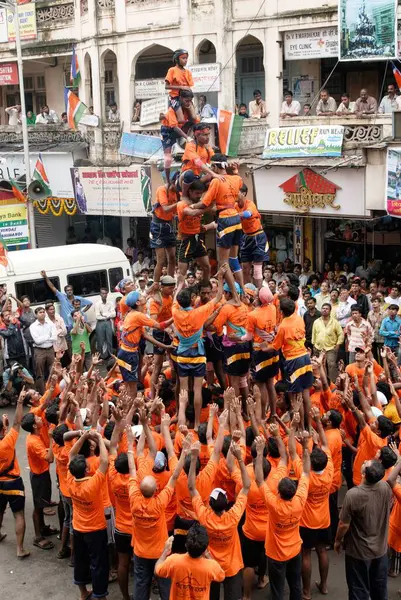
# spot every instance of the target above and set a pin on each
(43, 576)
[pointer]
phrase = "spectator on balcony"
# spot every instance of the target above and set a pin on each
(47, 116)
(64, 118)
(290, 107)
(14, 115)
(242, 112)
(327, 106)
(30, 118)
(114, 113)
(307, 110)
(257, 107)
(346, 107)
(91, 111)
(391, 102)
(136, 115)
(205, 110)
(365, 105)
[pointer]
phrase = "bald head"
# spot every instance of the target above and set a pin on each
(148, 486)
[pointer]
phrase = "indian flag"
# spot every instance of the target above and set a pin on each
(18, 193)
(40, 175)
(230, 127)
(74, 107)
(75, 74)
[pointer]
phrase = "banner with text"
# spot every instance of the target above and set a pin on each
(311, 43)
(27, 22)
(14, 225)
(8, 74)
(151, 109)
(393, 182)
(114, 191)
(141, 145)
(310, 140)
(146, 89)
(206, 78)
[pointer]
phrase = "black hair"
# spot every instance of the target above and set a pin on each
(202, 433)
(287, 488)
(28, 422)
(108, 430)
(254, 451)
(220, 158)
(267, 467)
(335, 418)
(121, 463)
(197, 540)
(52, 414)
(384, 388)
(86, 449)
(184, 298)
(201, 126)
(23, 298)
(374, 472)
(388, 457)
(242, 104)
(249, 436)
(293, 293)
(190, 413)
(255, 92)
(345, 94)
(244, 189)
(186, 94)
(355, 308)
(219, 504)
(318, 459)
(206, 397)
(77, 466)
(287, 306)
(187, 464)
(38, 309)
(166, 392)
(288, 93)
(293, 279)
(58, 434)
(272, 448)
(226, 445)
(386, 426)
(312, 298)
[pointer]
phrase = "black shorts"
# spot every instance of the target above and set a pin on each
(313, 537)
(163, 338)
(253, 552)
(213, 347)
(237, 359)
(265, 365)
(191, 247)
(169, 137)
(41, 489)
(254, 248)
(12, 492)
(123, 542)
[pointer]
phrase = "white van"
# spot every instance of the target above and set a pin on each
(87, 267)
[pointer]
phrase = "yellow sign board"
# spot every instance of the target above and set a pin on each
(27, 22)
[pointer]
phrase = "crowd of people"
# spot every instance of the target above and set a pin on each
(208, 442)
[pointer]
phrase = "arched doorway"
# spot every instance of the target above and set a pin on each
(206, 54)
(153, 63)
(88, 90)
(250, 72)
(110, 79)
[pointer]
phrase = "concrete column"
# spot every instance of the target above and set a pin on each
(123, 70)
(273, 62)
(120, 18)
(224, 50)
(55, 81)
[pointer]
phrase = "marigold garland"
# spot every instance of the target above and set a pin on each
(56, 206)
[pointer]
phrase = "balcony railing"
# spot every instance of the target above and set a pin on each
(40, 134)
(366, 131)
(54, 14)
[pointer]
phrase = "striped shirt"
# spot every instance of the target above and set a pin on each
(359, 336)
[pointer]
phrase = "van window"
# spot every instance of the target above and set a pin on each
(37, 290)
(115, 275)
(88, 284)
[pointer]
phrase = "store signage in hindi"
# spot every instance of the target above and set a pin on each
(311, 43)
(141, 146)
(206, 78)
(297, 142)
(8, 74)
(393, 182)
(27, 22)
(367, 29)
(151, 109)
(295, 191)
(146, 89)
(3, 26)
(14, 225)
(114, 191)
(252, 137)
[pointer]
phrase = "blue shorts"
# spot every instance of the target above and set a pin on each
(254, 248)
(237, 359)
(12, 492)
(299, 373)
(174, 102)
(229, 231)
(163, 338)
(265, 365)
(128, 363)
(162, 235)
(169, 137)
(190, 363)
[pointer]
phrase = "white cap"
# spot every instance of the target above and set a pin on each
(382, 398)
(215, 493)
(376, 411)
(137, 430)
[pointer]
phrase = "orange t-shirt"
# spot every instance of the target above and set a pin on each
(165, 198)
(368, 444)
(335, 443)
(179, 76)
(40, 411)
(93, 466)
(187, 225)
(253, 223)
(224, 544)
(225, 194)
(195, 156)
(283, 541)
(62, 456)
(290, 337)
(170, 118)
(149, 528)
(237, 315)
(119, 486)
(394, 530)
(124, 309)
(87, 502)
(37, 452)
(145, 467)
(353, 371)
(162, 312)
(190, 577)
(205, 482)
(132, 329)
(316, 513)
(7, 454)
(265, 319)
(188, 322)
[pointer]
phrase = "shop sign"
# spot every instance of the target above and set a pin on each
(300, 142)
(141, 146)
(252, 137)
(27, 22)
(8, 74)
(3, 26)
(14, 224)
(206, 78)
(146, 89)
(393, 181)
(113, 191)
(311, 43)
(151, 109)
(289, 190)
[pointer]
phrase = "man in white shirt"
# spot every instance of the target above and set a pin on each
(141, 263)
(346, 106)
(391, 102)
(327, 106)
(114, 114)
(343, 310)
(14, 115)
(279, 275)
(105, 311)
(394, 297)
(44, 335)
(257, 107)
(47, 116)
(290, 107)
(323, 297)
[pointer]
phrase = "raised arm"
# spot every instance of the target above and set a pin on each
(315, 415)
(246, 482)
(130, 451)
(48, 282)
(258, 466)
(275, 432)
(19, 411)
(218, 445)
(165, 431)
(195, 449)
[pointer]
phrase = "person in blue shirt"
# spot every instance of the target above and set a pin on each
(14, 378)
(66, 300)
(390, 328)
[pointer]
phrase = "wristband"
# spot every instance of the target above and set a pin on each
(163, 325)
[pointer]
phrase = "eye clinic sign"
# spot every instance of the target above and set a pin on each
(310, 43)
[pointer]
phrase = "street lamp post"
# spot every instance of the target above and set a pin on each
(9, 5)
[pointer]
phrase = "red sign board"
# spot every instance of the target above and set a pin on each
(8, 74)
